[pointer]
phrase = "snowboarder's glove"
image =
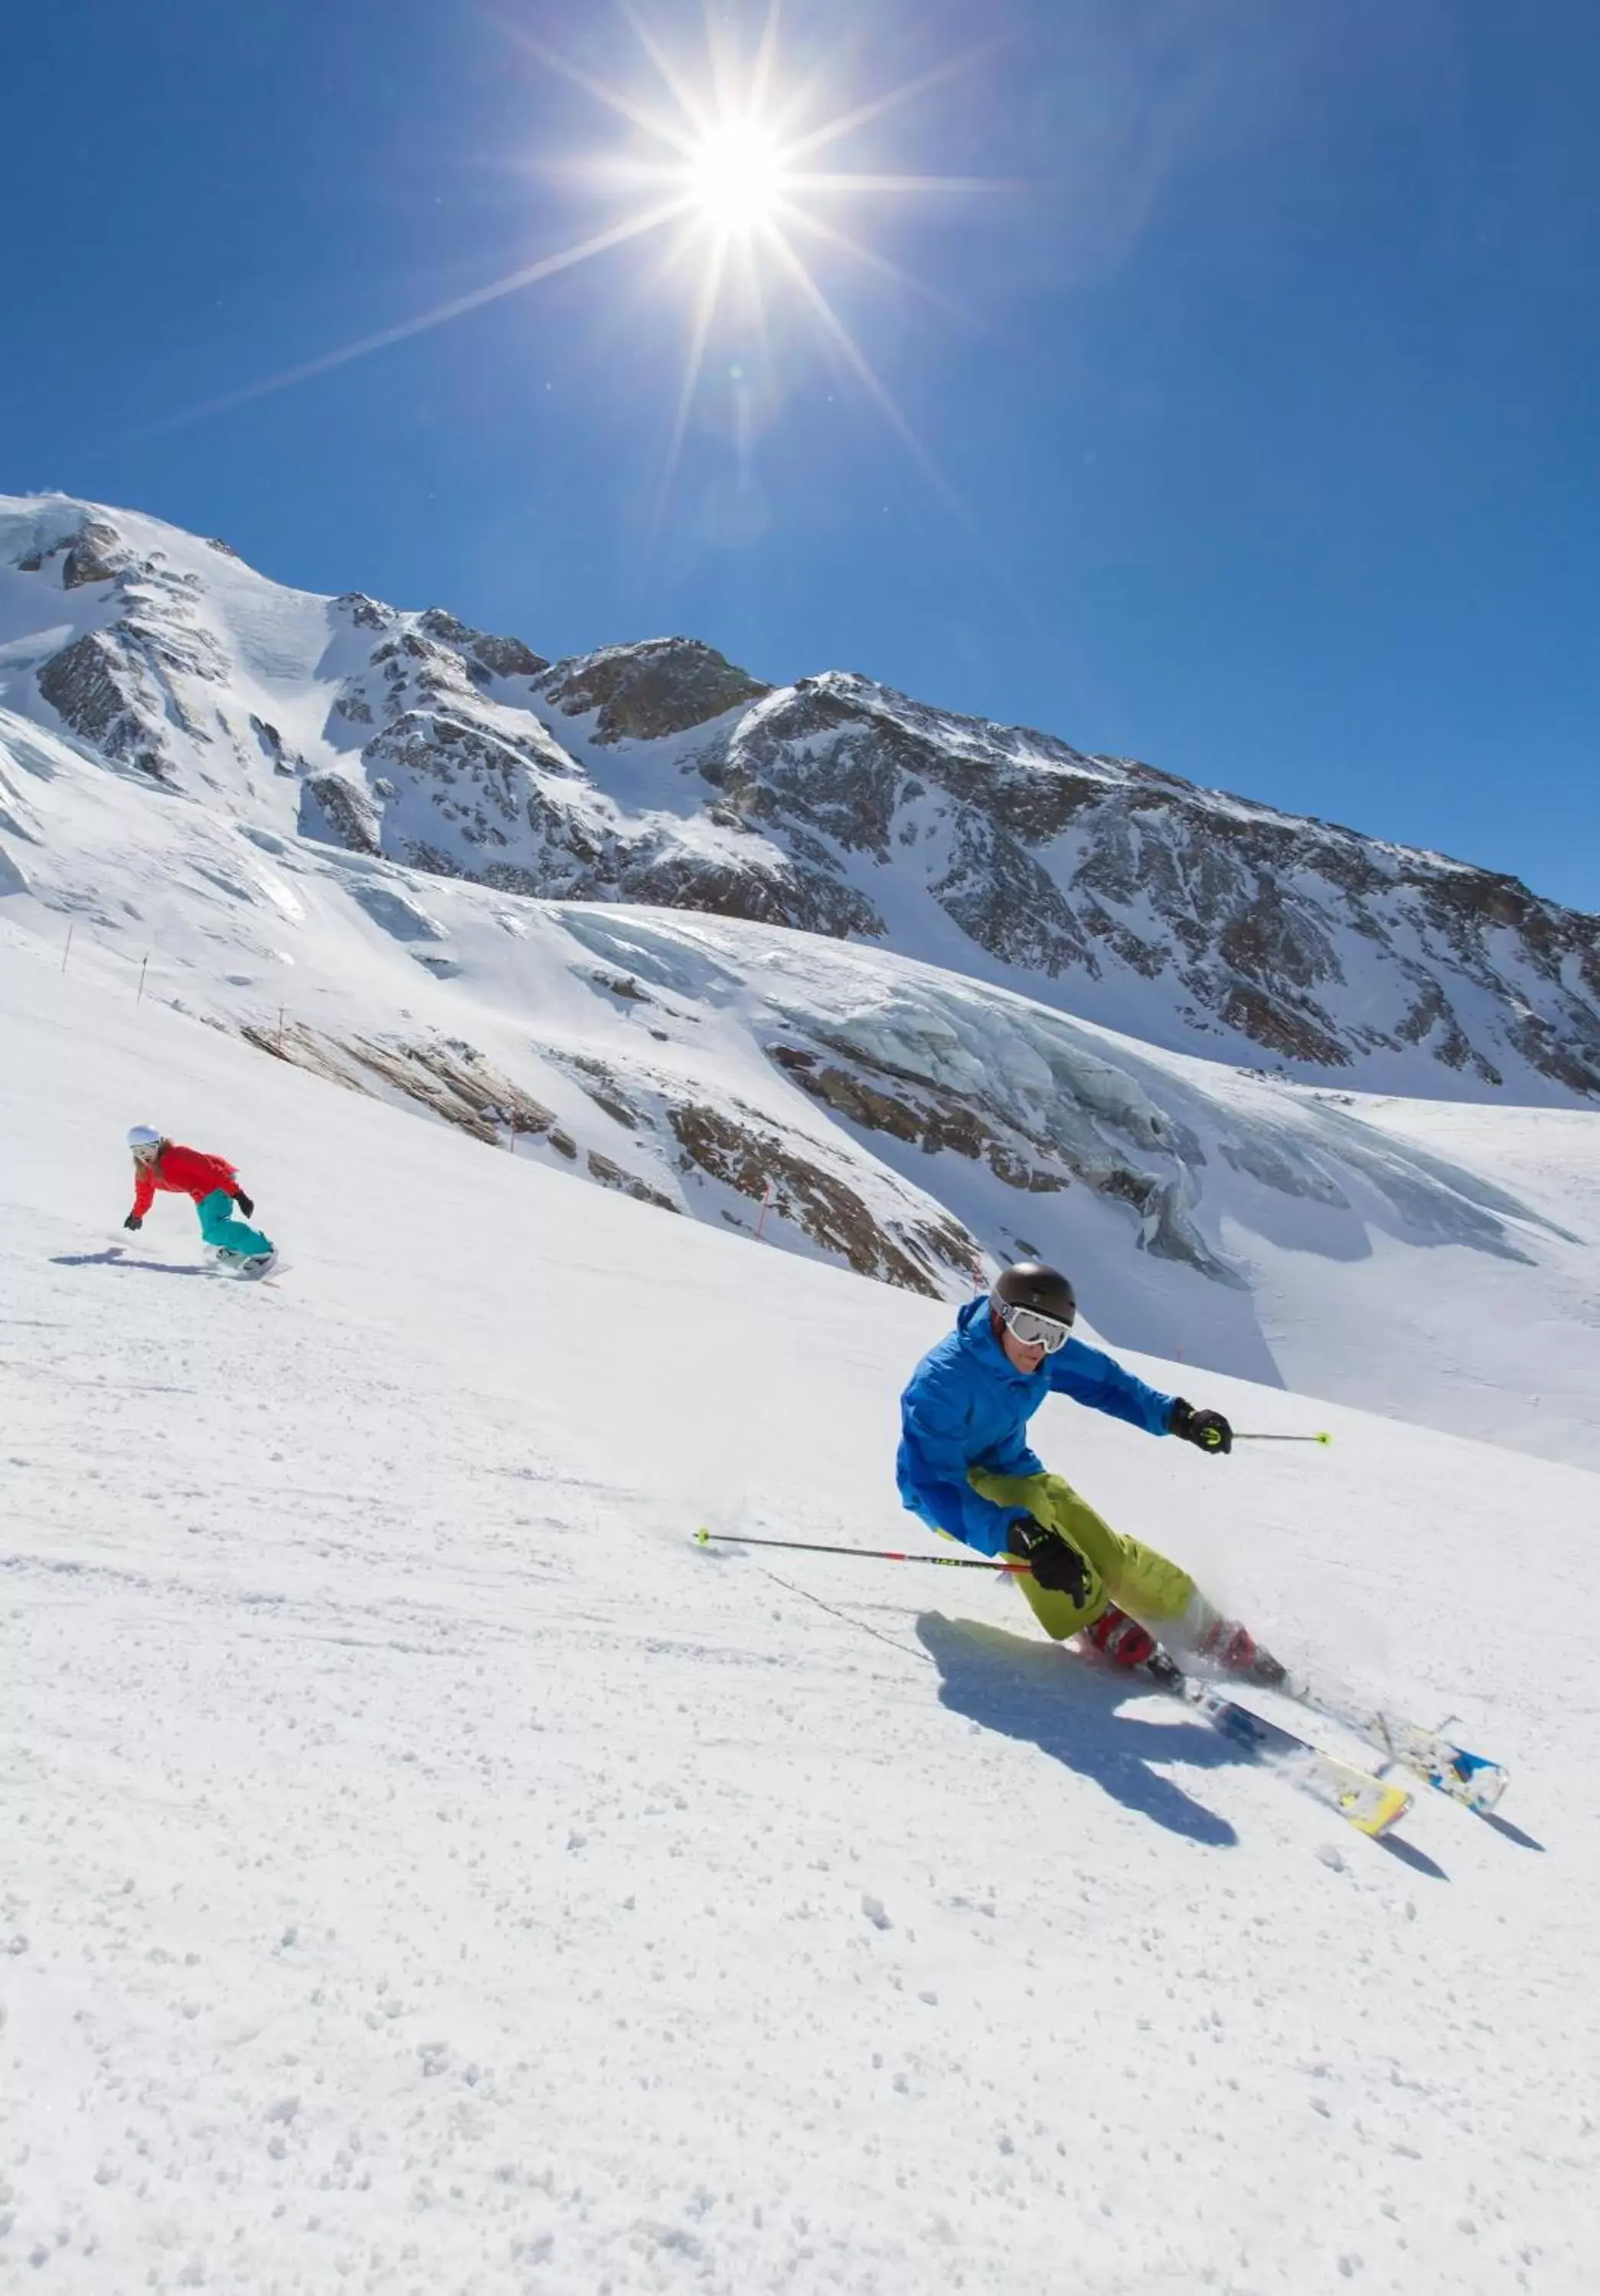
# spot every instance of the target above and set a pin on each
(1208, 1430)
(134, 1221)
(1056, 1565)
(243, 1203)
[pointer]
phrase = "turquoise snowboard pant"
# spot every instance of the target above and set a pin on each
(223, 1232)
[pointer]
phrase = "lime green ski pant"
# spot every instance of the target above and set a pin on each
(1134, 1578)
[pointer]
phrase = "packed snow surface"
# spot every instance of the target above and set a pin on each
(425, 1870)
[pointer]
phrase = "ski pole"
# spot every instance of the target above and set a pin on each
(863, 1553)
(1241, 1436)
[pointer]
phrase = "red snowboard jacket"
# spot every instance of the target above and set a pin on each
(182, 1171)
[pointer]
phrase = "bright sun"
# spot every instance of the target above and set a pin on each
(736, 177)
(722, 165)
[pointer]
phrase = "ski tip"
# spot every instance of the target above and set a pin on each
(1380, 1811)
(1472, 1780)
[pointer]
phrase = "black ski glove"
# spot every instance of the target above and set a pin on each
(1056, 1563)
(134, 1220)
(1208, 1430)
(243, 1203)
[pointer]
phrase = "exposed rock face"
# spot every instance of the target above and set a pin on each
(627, 1183)
(283, 760)
(767, 895)
(451, 1079)
(742, 1149)
(338, 811)
(127, 687)
(745, 1152)
(97, 555)
(365, 612)
(507, 656)
(504, 657)
(644, 692)
(94, 687)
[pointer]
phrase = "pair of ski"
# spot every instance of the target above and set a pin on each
(1367, 1799)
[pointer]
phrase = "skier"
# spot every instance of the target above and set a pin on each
(213, 1186)
(964, 1466)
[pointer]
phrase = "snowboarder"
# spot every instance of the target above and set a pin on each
(964, 1466)
(213, 1186)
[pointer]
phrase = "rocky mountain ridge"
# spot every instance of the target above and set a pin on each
(659, 773)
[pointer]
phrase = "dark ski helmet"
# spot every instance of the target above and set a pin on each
(1037, 1304)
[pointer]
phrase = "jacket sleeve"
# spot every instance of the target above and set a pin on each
(144, 1189)
(1090, 1377)
(936, 1485)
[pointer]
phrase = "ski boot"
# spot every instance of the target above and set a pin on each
(1120, 1638)
(1226, 1645)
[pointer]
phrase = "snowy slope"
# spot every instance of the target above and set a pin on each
(425, 1872)
(659, 773)
(908, 1120)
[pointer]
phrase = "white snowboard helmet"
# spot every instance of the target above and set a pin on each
(143, 1137)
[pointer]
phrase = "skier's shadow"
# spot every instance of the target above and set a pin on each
(1033, 1691)
(1509, 1832)
(115, 1257)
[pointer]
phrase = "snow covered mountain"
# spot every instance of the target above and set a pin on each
(424, 1871)
(850, 1104)
(660, 773)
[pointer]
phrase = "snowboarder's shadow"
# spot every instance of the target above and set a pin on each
(1067, 1708)
(115, 1257)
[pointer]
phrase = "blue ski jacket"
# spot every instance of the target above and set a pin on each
(968, 1405)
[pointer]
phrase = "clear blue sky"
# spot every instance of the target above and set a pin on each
(1266, 418)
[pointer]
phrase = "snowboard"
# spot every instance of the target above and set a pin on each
(260, 1270)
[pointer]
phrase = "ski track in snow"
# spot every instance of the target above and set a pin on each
(426, 1871)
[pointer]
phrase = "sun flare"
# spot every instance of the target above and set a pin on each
(726, 164)
(736, 177)
(732, 163)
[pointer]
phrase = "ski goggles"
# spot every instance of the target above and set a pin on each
(1030, 1329)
